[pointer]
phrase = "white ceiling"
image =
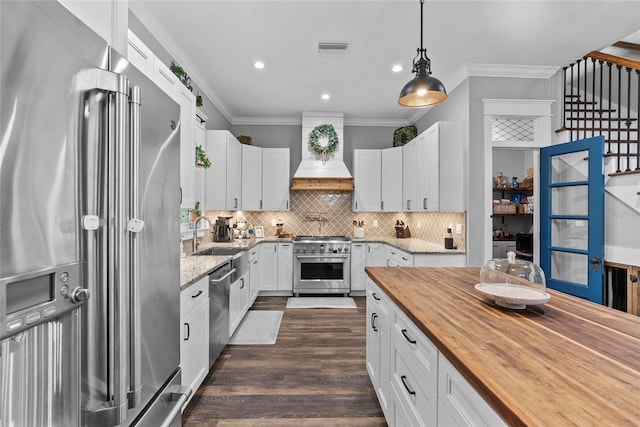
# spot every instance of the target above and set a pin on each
(217, 42)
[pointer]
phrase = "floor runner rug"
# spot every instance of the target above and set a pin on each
(321, 302)
(258, 327)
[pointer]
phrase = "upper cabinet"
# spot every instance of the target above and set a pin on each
(366, 180)
(275, 179)
(265, 178)
(223, 179)
(140, 55)
(251, 178)
(452, 158)
(391, 180)
(377, 180)
(187, 102)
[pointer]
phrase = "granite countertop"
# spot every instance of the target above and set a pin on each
(193, 268)
(567, 362)
(412, 245)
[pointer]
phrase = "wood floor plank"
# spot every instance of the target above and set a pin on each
(315, 375)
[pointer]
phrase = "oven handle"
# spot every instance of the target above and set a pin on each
(321, 256)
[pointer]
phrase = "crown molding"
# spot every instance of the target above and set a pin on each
(512, 71)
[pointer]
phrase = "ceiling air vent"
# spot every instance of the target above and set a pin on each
(333, 48)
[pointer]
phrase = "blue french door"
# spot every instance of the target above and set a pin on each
(572, 217)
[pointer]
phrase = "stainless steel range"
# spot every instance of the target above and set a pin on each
(322, 265)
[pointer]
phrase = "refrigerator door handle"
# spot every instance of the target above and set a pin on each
(135, 225)
(179, 396)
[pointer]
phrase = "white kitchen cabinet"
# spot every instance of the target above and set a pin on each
(409, 167)
(275, 179)
(367, 180)
(440, 260)
(239, 297)
(251, 178)
(376, 255)
(276, 267)
(459, 404)
(187, 101)
(420, 173)
(254, 273)
(358, 263)
(223, 179)
(268, 266)
(391, 180)
(285, 267)
(398, 258)
(194, 342)
(378, 343)
(453, 166)
(199, 138)
(422, 387)
(140, 55)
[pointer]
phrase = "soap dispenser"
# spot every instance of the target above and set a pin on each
(448, 241)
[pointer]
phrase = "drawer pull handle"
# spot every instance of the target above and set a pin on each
(186, 338)
(408, 338)
(197, 295)
(375, 296)
(404, 383)
(373, 321)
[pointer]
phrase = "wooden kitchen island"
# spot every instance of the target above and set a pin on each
(568, 362)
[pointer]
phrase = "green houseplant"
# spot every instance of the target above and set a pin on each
(403, 135)
(202, 161)
(195, 212)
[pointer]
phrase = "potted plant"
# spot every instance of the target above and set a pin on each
(195, 212)
(403, 135)
(202, 161)
(244, 139)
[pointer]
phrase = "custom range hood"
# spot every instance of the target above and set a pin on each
(313, 173)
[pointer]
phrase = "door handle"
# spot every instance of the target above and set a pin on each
(186, 338)
(404, 383)
(595, 261)
(408, 338)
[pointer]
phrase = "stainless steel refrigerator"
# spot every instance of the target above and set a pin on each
(89, 233)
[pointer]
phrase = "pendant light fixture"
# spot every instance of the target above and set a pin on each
(423, 90)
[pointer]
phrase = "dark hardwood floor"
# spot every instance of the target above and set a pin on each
(315, 375)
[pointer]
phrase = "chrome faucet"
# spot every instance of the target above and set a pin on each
(195, 231)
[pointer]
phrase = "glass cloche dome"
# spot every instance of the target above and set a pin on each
(513, 283)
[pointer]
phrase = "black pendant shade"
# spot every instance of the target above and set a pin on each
(423, 90)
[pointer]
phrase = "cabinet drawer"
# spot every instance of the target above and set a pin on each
(194, 294)
(464, 406)
(378, 298)
(417, 393)
(410, 341)
(398, 258)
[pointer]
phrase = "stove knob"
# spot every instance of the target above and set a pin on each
(346, 249)
(339, 249)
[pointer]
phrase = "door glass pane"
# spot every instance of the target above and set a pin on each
(570, 167)
(570, 267)
(570, 200)
(570, 233)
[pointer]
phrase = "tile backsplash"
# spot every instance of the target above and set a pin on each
(329, 213)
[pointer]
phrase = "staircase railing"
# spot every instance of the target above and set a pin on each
(601, 92)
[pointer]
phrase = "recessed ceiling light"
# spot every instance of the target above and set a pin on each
(326, 96)
(396, 68)
(259, 65)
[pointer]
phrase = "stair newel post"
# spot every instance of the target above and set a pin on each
(628, 122)
(638, 125)
(619, 67)
(593, 97)
(564, 97)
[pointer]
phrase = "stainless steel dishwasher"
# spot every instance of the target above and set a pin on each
(219, 283)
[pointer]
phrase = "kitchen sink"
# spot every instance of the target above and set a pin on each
(221, 251)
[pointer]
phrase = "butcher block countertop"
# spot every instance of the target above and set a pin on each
(567, 362)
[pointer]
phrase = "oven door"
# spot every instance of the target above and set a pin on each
(319, 274)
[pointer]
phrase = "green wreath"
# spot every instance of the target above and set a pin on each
(330, 133)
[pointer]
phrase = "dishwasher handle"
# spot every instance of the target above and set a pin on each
(223, 278)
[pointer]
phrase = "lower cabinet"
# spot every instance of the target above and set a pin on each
(501, 247)
(194, 336)
(254, 274)
(378, 343)
(358, 262)
(276, 267)
(239, 300)
(415, 384)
